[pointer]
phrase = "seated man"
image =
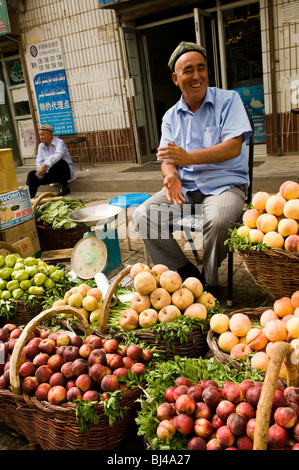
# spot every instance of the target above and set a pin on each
(204, 164)
(53, 163)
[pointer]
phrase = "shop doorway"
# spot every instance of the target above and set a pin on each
(233, 41)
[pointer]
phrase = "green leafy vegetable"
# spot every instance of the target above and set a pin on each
(55, 213)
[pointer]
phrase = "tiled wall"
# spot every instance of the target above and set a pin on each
(286, 43)
(92, 60)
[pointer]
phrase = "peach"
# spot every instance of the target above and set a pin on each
(275, 204)
(194, 285)
(273, 240)
(159, 298)
(296, 312)
(240, 351)
(148, 317)
(243, 230)
(250, 217)
(292, 243)
(137, 268)
(206, 299)
(168, 313)
(289, 190)
(291, 209)
(256, 339)
(255, 235)
(239, 324)
(287, 227)
(267, 223)
(260, 361)
(144, 282)
(83, 288)
(95, 292)
(75, 300)
(227, 341)
(129, 319)
(283, 307)
(259, 200)
(196, 310)
(182, 298)
(268, 315)
(295, 299)
(140, 302)
(157, 270)
(293, 327)
(89, 303)
(219, 323)
(276, 330)
(170, 280)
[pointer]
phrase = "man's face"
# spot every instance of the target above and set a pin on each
(45, 136)
(191, 76)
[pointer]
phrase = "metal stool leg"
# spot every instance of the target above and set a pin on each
(127, 229)
(229, 301)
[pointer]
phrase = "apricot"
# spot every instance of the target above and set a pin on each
(255, 235)
(250, 217)
(239, 324)
(293, 327)
(259, 200)
(275, 204)
(295, 299)
(243, 230)
(267, 223)
(268, 315)
(289, 190)
(219, 323)
(291, 209)
(287, 227)
(256, 339)
(283, 307)
(240, 351)
(292, 243)
(227, 341)
(273, 240)
(276, 330)
(260, 361)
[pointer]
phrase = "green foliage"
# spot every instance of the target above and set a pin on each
(236, 242)
(55, 213)
(7, 309)
(163, 376)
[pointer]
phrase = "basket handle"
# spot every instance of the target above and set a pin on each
(109, 296)
(30, 327)
(281, 352)
(37, 202)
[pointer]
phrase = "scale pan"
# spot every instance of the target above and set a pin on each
(103, 213)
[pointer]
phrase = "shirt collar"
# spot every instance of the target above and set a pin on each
(182, 106)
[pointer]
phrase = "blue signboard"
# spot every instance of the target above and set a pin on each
(51, 88)
(253, 100)
(53, 100)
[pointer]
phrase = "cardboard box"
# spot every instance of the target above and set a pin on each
(15, 208)
(8, 177)
(19, 233)
(23, 246)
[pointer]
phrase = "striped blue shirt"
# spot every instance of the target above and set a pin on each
(221, 117)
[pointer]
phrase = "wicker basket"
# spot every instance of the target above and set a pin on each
(220, 356)
(50, 239)
(195, 347)
(275, 270)
(56, 427)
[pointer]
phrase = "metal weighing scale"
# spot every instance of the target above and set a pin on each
(98, 251)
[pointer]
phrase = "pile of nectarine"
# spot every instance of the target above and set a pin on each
(211, 417)
(274, 219)
(86, 299)
(161, 296)
(239, 338)
(58, 367)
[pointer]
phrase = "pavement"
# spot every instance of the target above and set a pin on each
(100, 183)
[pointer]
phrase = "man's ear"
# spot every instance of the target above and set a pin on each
(174, 78)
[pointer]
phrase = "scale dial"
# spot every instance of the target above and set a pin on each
(89, 257)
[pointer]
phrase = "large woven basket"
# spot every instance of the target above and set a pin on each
(56, 427)
(220, 356)
(50, 239)
(275, 270)
(196, 345)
